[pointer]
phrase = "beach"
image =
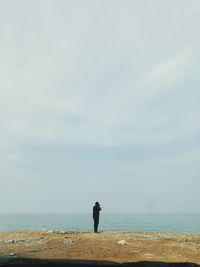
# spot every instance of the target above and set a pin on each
(110, 246)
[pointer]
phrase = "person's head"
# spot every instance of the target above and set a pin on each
(97, 203)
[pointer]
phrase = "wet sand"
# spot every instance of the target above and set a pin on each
(134, 246)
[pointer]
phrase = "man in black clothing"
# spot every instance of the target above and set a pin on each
(96, 210)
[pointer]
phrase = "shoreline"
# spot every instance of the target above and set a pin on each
(61, 231)
(125, 246)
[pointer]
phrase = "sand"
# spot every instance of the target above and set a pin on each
(136, 246)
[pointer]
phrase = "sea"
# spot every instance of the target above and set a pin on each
(138, 222)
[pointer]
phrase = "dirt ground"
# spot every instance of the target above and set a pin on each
(134, 246)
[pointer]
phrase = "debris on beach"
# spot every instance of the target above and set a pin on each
(10, 241)
(12, 254)
(50, 232)
(122, 243)
(62, 232)
(16, 241)
(68, 241)
(56, 232)
(43, 241)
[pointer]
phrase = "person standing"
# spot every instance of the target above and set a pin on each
(96, 211)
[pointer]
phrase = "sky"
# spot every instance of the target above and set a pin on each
(99, 101)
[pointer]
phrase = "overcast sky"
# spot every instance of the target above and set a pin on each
(99, 101)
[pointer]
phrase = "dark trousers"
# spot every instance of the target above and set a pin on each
(96, 223)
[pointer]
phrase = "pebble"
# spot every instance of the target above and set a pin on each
(50, 232)
(68, 241)
(56, 232)
(122, 242)
(12, 254)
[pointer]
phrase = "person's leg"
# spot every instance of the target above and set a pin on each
(96, 224)
(95, 227)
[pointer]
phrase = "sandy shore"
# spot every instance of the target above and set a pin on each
(134, 246)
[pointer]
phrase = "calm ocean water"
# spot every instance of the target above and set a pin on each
(108, 222)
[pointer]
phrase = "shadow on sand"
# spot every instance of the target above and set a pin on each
(6, 261)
